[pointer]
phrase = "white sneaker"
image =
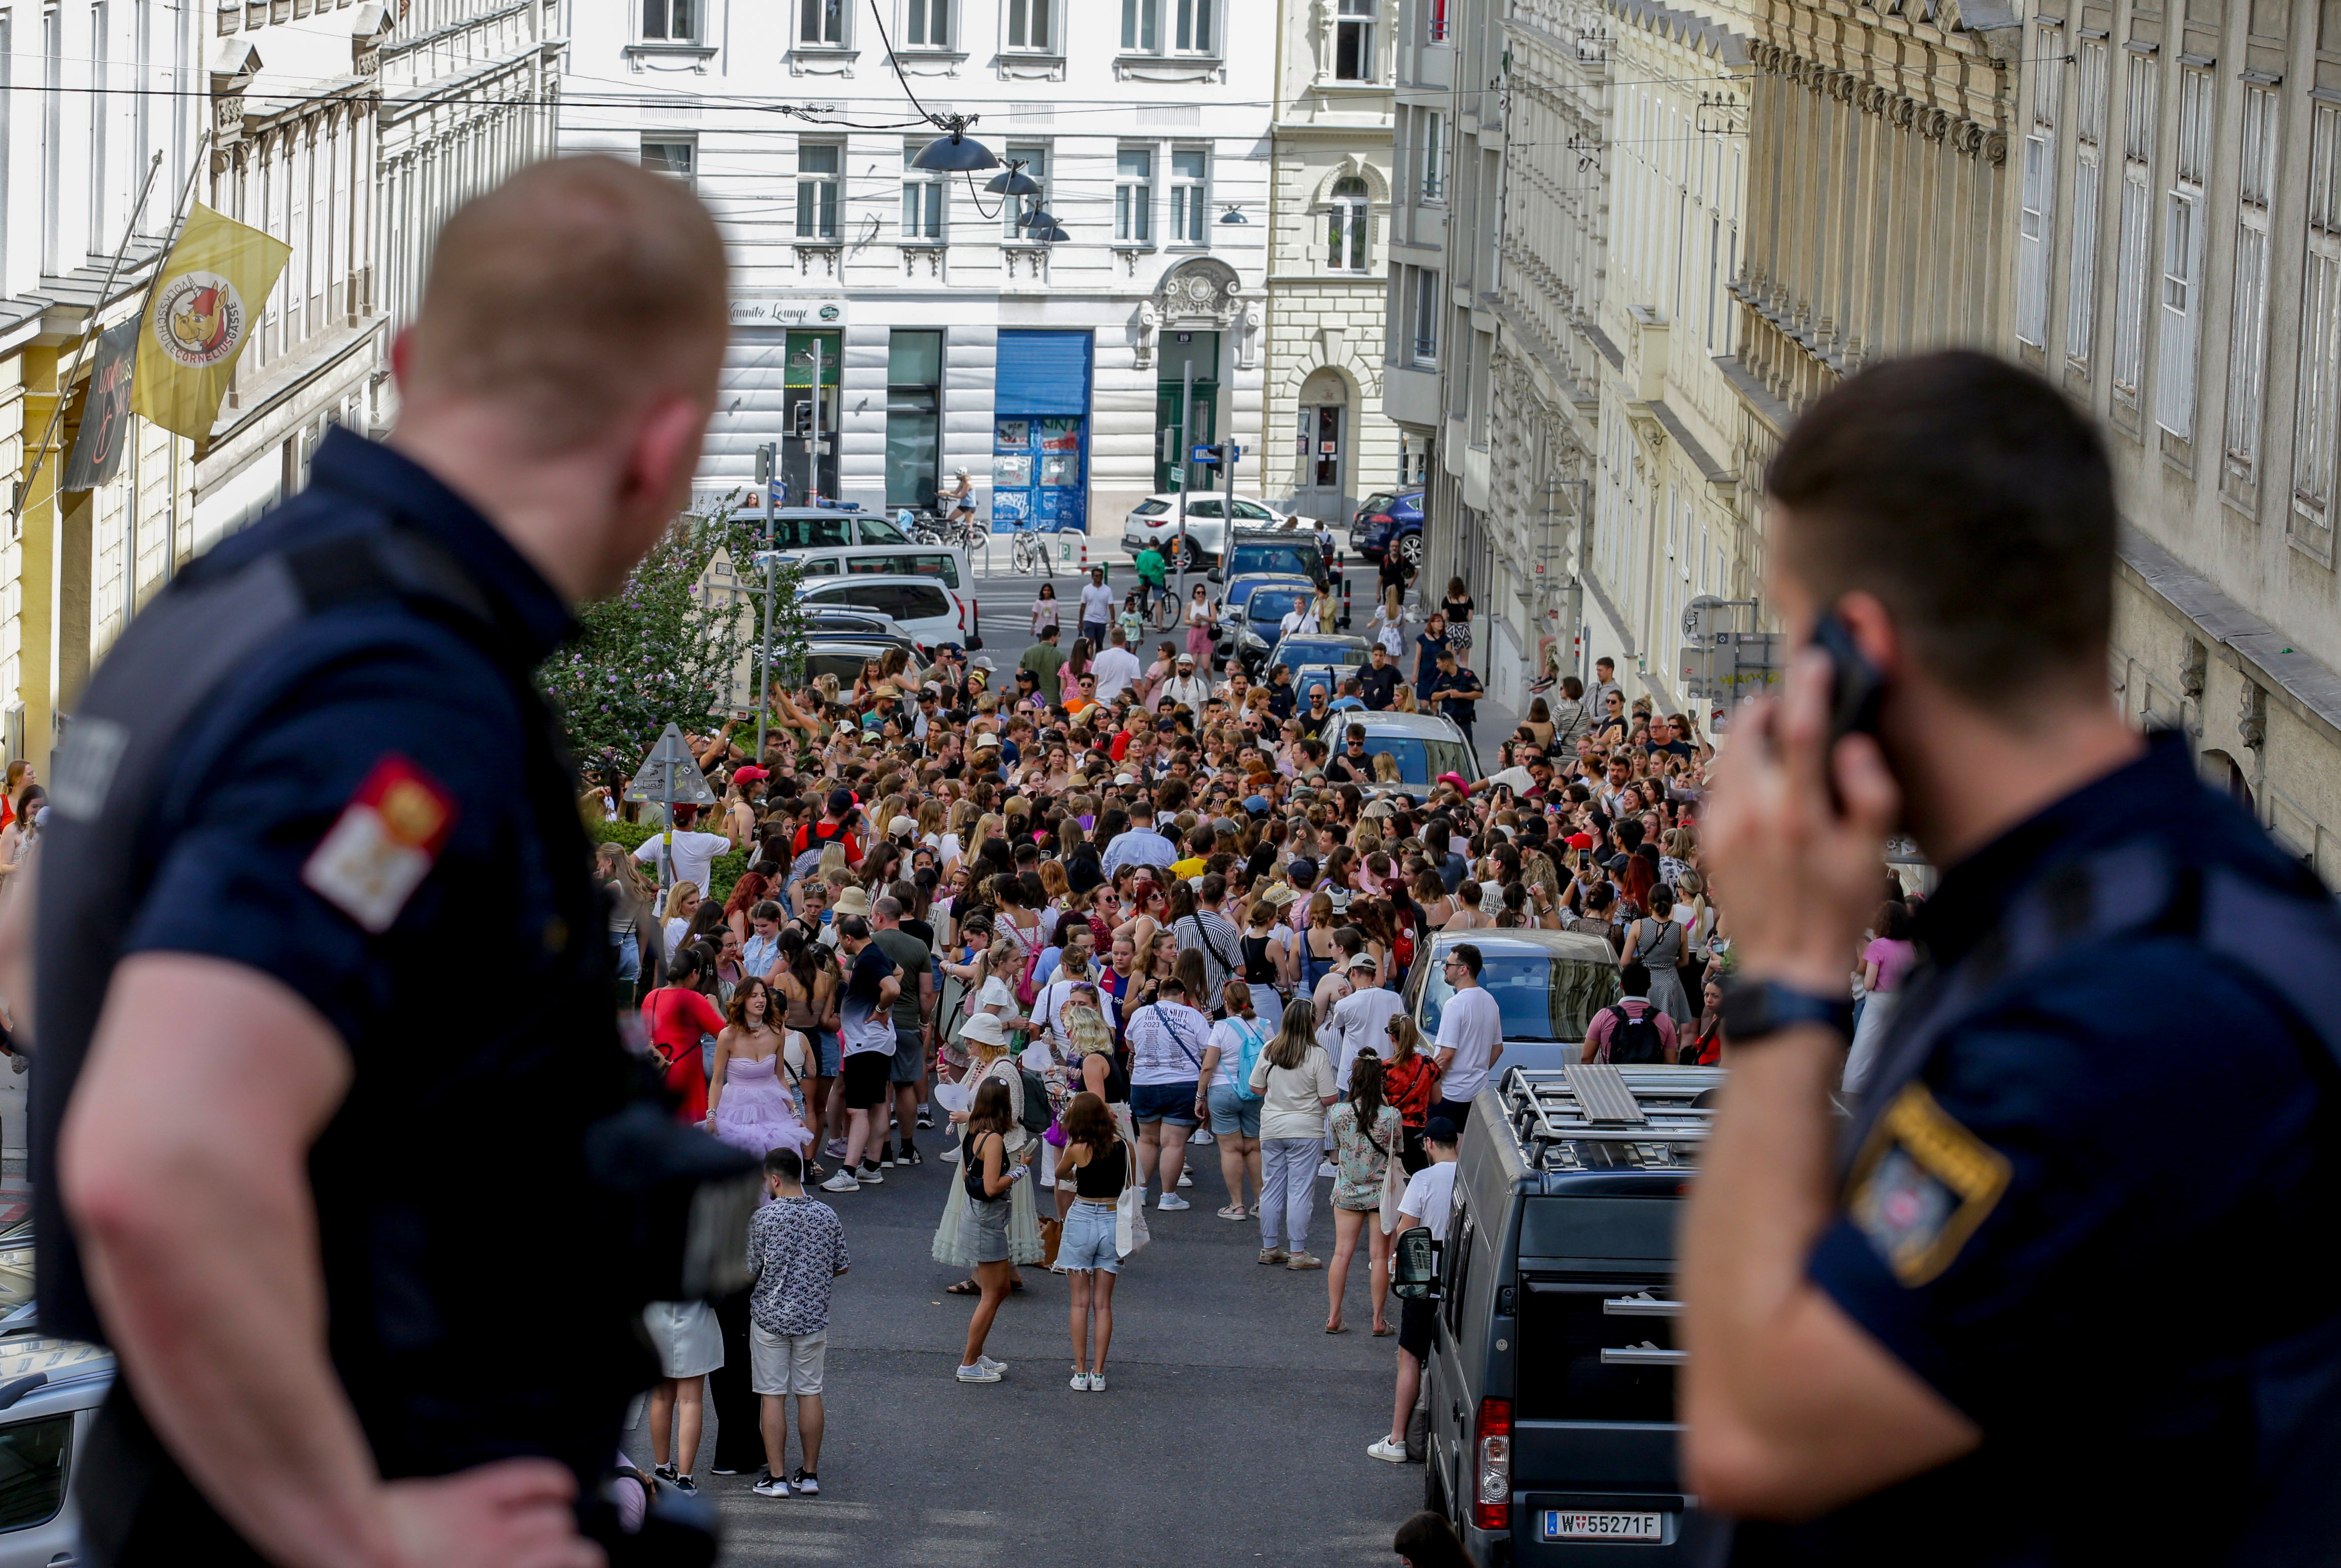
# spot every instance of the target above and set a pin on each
(840, 1181)
(1185, 1179)
(1096, 1383)
(771, 1485)
(1202, 1136)
(1172, 1202)
(1080, 1384)
(1388, 1451)
(989, 1364)
(979, 1372)
(950, 1156)
(1328, 1169)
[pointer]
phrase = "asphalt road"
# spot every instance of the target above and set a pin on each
(1233, 1430)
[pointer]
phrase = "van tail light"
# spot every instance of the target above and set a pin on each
(1491, 1505)
(962, 605)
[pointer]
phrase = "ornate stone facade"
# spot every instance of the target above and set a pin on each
(1328, 443)
(2213, 366)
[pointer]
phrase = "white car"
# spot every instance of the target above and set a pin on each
(1155, 520)
(928, 612)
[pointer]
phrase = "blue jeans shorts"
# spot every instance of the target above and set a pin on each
(824, 1042)
(1234, 1116)
(1171, 1103)
(1088, 1239)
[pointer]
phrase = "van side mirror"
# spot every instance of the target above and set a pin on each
(1414, 1270)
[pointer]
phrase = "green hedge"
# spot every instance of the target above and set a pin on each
(727, 870)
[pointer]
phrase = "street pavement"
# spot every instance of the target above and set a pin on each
(1233, 1429)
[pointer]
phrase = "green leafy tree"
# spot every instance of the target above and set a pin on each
(657, 652)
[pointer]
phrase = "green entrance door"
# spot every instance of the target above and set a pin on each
(1202, 428)
(1174, 440)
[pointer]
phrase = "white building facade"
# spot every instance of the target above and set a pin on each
(1669, 520)
(906, 311)
(1330, 442)
(271, 112)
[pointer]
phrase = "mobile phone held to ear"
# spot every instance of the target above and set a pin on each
(1855, 685)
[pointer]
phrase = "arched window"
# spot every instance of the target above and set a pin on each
(1345, 227)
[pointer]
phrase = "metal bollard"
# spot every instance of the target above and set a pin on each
(1345, 602)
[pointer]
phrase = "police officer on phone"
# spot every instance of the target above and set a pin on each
(339, 1215)
(2049, 1296)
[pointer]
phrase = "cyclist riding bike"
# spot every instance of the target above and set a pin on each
(962, 497)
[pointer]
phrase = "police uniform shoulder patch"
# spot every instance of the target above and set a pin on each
(383, 843)
(1922, 1185)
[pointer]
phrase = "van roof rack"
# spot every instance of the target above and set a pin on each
(1595, 1114)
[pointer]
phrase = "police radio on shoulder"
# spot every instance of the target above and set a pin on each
(1753, 1009)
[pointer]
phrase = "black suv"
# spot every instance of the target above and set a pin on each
(1550, 1386)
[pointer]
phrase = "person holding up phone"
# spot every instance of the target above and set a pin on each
(1874, 1334)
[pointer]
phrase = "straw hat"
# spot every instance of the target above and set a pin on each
(854, 900)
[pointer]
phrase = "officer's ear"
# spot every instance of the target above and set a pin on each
(661, 438)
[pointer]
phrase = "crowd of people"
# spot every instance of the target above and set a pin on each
(1066, 941)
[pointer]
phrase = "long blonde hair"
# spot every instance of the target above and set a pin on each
(1085, 1027)
(667, 910)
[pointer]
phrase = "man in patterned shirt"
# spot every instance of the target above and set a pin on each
(796, 1247)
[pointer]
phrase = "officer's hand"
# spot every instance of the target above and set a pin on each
(1801, 878)
(514, 1514)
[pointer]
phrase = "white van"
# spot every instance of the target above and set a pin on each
(928, 612)
(945, 565)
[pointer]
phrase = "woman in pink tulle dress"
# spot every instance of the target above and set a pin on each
(753, 1098)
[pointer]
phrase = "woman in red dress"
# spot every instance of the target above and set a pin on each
(676, 1014)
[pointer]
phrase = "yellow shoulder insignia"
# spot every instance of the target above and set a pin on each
(1922, 1185)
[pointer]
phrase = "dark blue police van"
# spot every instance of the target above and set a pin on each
(1551, 1433)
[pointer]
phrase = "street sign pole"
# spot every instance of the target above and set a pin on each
(669, 777)
(767, 459)
(812, 453)
(1186, 411)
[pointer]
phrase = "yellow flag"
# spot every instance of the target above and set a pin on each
(209, 298)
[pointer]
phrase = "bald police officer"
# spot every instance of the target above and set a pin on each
(325, 1197)
(2062, 1294)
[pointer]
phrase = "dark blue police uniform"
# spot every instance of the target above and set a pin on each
(2089, 1195)
(470, 1281)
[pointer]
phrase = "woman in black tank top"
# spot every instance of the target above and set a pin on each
(1096, 1163)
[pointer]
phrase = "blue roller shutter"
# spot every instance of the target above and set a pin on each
(1042, 373)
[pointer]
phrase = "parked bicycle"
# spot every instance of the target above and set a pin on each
(924, 526)
(1028, 551)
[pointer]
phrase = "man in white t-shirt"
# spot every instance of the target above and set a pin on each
(1362, 1019)
(1470, 1036)
(1097, 608)
(694, 853)
(1117, 668)
(1429, 1202)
